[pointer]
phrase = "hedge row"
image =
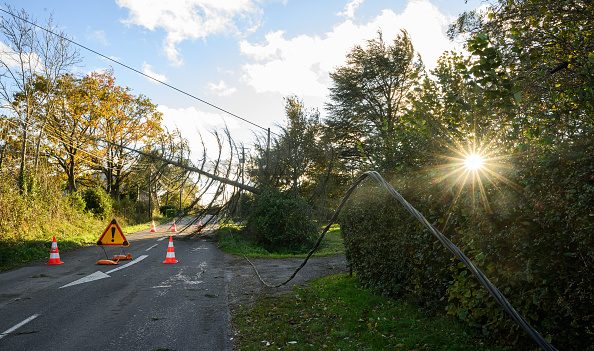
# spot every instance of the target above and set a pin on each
(535, 241)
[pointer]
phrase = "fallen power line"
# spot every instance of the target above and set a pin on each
(455, 250)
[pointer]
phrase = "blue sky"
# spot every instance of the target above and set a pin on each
(244, 55)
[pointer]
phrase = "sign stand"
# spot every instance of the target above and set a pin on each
(113, 236)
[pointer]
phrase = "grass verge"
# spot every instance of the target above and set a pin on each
(128, 229)
(231, 240)
(72, 235)
(334, 313)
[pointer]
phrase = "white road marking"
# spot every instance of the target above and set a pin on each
(161, 238)
(140, 258)
(89, 278)
(8, 331)
(161, 286)
(151, 247)
(100, 275)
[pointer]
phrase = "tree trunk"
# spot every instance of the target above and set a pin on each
(23, 165)
(38, 147)
(71, 180)
(2, 151)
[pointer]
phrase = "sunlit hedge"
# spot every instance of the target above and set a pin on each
(535, 242)
(390, 251)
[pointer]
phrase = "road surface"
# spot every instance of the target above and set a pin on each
(147, 305)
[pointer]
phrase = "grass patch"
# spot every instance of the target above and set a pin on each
(233, 241)
(334, 313)
(128, 229)
(70, 236)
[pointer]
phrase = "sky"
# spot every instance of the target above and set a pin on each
(245, 56)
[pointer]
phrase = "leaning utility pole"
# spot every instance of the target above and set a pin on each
(190, 168)
(242, 163)
(150, 195)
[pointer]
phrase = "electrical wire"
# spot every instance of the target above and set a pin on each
(55, 135)
(137, 71)
(455, 250)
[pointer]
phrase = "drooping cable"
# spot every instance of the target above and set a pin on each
(455, 250)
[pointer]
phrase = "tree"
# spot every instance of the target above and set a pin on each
(71, 125)
(452, 110)
(29, 56)
(288, 164)
(369, 99)
(541, 53)
(126, 121)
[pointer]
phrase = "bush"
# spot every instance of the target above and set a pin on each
(29, 221)
(77, 202)
(534, 243)
(168, 210)
(98, 202)
(281, 222)
(390, 251)
(537, 248)
(131, 211)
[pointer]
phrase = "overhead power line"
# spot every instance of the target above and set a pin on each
(137, 71)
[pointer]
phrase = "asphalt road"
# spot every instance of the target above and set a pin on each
(145, 306)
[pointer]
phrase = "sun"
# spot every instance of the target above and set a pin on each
(471, 169)
(474, 162)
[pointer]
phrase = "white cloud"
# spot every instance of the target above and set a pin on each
(99, 70)
(98, 36)
(221, 88)
(194, 124)
(350, 8)
(300, 65)
(191, 19)
(148, 70)
(13, 60)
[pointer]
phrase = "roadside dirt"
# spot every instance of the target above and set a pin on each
(245, 287)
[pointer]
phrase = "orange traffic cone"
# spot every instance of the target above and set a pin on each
(153, 230)
(170, 258)
(173, 229)
(54, 258)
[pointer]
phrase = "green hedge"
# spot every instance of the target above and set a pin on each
(390, 251)
(98, 202)
(536, 243)
(281, 222)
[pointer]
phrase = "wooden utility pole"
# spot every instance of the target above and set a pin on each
(181, 191)
(242, 163)
(268, 150)
(150, 194)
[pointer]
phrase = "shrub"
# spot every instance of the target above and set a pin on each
(168, 210)
(281, 222)
(98, 202)
(131, 211)
(77, 201)
(537, 247)
(390, 251)
(29, 221)
(534, 243)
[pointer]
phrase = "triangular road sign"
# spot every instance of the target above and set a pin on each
(113, 236)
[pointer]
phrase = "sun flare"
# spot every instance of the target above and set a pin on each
(474, 162)
(471, 169)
